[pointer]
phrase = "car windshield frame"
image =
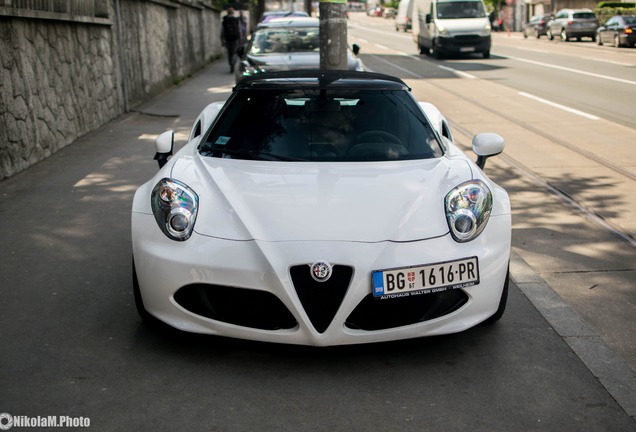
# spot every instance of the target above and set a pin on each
(296, 124)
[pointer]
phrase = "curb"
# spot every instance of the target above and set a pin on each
(618, 378)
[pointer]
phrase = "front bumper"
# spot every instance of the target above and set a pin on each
(463, 44)
(259, 291)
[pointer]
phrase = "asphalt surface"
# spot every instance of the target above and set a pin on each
(73, 344)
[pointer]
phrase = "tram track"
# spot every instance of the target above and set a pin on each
(571, 199)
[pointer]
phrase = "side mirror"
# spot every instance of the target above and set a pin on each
(164, 144)
(356, 49)
(428, 18)
(486, 145)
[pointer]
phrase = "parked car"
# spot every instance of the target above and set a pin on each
(389, 13)
(321, 208)
(537, 26)
(270, 15)
(404, 18)
(573, 23)
(618, 30)
(286, 44)
(376, 11)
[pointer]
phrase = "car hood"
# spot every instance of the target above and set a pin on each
(307, 201)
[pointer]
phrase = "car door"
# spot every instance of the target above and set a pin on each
(609, 30)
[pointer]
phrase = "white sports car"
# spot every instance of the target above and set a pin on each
(321, 208)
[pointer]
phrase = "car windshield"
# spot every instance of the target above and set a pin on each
(285, 40)
(460, 9)
(322, 125)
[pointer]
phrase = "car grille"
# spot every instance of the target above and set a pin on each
(321, 300)
(239, 306)
(467, 40)
(373, 314)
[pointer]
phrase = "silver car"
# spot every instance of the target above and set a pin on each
(573, 23)
(286, 44)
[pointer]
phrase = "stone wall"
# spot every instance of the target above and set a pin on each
(62, 76)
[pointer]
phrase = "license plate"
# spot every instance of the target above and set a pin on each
(425, 279)
(466, 49)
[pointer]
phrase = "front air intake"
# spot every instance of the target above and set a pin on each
(321, 300)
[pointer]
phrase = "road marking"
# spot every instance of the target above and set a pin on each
(556, 105)
(458, 72)
(469, 76)
(396, 66)
(580, 72)
(382, 47)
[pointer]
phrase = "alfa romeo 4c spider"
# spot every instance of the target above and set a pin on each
(321, 208)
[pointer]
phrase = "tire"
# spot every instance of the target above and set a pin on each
(148, 319)
(486, 54)
(435, 52)
(564, 35)
(502, 302)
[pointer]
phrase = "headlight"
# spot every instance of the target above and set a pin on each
(468, 208)
(175, 208)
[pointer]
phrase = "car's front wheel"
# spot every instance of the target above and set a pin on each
(139, 302)
(435, 51)
(502, 302)
(564, 35)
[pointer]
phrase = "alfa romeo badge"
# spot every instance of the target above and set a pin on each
(321, 271)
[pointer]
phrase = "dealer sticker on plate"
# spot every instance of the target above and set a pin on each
(425, 279)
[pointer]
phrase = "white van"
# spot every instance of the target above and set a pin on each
(404, 18)
(442, 27)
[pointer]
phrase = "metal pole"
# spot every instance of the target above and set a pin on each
(333, 34)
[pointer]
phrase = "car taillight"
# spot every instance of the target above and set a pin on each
(629, 30)
(570, 23)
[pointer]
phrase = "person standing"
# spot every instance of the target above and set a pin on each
(243, 27)
(230, 36)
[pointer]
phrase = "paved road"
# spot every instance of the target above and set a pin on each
(74, 345)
